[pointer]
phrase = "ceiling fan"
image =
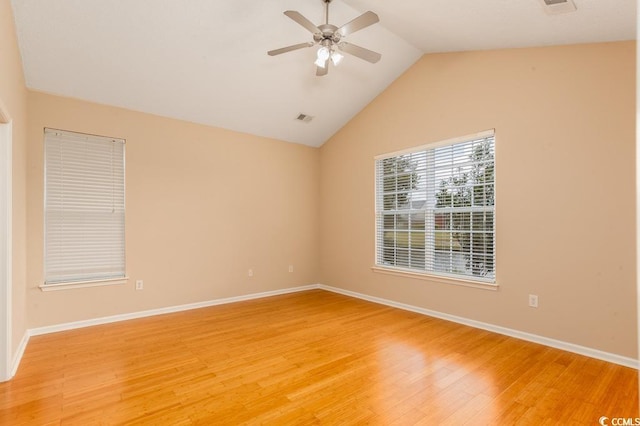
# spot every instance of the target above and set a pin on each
(329, 37)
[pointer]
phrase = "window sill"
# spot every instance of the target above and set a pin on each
(83, 284)
(436, 278)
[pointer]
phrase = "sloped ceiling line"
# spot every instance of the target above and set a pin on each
(206, 62)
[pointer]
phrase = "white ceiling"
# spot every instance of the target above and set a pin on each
(205, 61)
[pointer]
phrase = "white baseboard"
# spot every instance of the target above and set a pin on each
(17, 357)
(167, 310)
(570, 347)
(558, 344)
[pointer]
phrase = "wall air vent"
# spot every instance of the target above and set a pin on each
(304, 118)
(554, 7)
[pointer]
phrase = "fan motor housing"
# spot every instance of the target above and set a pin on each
(329, 32)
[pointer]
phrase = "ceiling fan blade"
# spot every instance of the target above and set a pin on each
(322, 71)
(296, 16)
(290, 48)
(362, 21)
(360, 52)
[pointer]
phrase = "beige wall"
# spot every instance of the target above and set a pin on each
(564, 120)
(13, 94)
(203, 206)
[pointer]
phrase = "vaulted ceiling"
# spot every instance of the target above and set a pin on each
(205, 61)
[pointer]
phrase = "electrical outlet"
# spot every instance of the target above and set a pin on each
(139, 284)
(533, 300)
(290, 268)
(250, 273)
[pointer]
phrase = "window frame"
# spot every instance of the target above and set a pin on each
(430, 193)
(119, 275)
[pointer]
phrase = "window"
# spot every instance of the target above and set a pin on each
(83, 207)
(435, 209)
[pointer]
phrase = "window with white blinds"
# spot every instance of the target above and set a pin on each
(84, 208)
(435, 209)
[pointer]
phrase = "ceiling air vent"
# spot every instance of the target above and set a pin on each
(554, 7)
(304, 118)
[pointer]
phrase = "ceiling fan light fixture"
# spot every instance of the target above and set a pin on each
(336, 57)
(323, 56)
(323, 53)
(320, 63)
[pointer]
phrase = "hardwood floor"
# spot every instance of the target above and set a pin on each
(307, 358)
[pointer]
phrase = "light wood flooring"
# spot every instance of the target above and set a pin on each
(307, 358)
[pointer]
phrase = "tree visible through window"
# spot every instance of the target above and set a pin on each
(435, 209)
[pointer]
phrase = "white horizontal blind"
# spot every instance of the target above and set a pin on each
(435, 210)
(84, 207)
